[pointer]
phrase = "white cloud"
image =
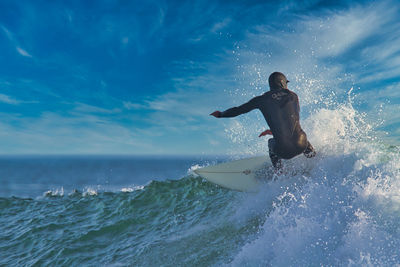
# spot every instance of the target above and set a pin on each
(378, 73)
(23, 52)
(195, 96)
(12, 39)
(85, 108)
(339, 32)
(29, 87)
(220, 25)
(8, 100)
(7, 32)
(133, 106)
(382, 51)
(235, 76)
(54, 134)
(308, 55)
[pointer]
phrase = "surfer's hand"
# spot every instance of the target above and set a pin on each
(265, 133)
(216, 114)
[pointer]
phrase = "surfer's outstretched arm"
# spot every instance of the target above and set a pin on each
(236, 111)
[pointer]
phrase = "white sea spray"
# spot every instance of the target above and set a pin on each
(345, 212)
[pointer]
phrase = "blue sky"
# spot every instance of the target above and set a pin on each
(141, 77)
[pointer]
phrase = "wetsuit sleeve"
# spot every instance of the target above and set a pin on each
(246, 107)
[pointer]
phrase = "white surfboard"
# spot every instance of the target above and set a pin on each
(240, 175)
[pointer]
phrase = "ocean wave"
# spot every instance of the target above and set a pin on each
(137, 220)
(339, 208)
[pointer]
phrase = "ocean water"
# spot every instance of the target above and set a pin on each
(340, 208)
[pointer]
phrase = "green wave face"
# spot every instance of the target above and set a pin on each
(164, 223)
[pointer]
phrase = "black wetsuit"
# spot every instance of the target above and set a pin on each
(280, 108)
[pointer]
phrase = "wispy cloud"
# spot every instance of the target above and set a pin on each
(85, 108)
(341, 31)
(134, 106)
(7, 32)
(23, 52)
(8, 100)
(302, 52)
(208, 59)
(53, 133)
(217, 27)
(15, 43)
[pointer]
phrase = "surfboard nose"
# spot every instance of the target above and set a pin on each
(235, 175)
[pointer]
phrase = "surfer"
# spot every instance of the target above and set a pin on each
(280, 108)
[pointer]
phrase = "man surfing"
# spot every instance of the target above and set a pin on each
(280, 108)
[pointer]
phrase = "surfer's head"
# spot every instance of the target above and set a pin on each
(277, 80)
